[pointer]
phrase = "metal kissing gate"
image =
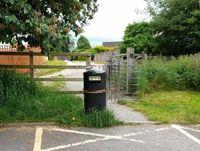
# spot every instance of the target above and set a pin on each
(123, 72)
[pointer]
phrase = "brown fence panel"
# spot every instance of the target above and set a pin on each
(21, 59)
(105, 56)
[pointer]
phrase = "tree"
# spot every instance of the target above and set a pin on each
(176, 24)
(139, 36)
(83, 43)
(45, 23)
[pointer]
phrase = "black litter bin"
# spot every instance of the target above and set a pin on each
(94, 90)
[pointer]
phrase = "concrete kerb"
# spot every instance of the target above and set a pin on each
(52, 124)
(17, 125)
(141, 123)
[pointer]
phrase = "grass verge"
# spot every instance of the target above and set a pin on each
(169, 107)
(50, 106)
(42, 72)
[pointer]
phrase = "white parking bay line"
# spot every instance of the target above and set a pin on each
(38, 139)
(104, 137)
(194, 130)
(101, 135)
(79, 132)
(75, 144)
(180, 129)
(162, 129)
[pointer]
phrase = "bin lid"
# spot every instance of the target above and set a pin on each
(94, 71)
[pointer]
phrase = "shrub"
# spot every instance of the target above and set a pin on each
(15, 85)
(181, 73)
(99, 49)
(95, 50)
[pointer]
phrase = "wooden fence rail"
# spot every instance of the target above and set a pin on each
(31, 65)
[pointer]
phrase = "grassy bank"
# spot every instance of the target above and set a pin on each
(22, 100)
(42, 72)
(169, 107)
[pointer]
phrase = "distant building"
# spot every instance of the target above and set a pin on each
(112, 44)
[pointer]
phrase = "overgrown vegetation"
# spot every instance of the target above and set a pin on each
(22, 100)
(41, 72)
(169, 107)
(181, 73)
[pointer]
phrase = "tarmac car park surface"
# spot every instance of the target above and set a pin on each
(122, 138)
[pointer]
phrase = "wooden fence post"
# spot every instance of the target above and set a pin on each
(88, 62)
(31, 64)
(144, 55)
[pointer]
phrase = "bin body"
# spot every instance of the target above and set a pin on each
(94, 90)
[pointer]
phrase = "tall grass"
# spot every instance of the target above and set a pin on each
(181, 73)
(14, 85)
(22, 100)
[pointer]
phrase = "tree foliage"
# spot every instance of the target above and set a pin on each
(140, 37)
(83, 43)
(177, 22)
(175, 26)
(45, 23)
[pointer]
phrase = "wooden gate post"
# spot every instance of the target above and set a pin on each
(118, 77)
(129, 61)
(109, 78)
(88, 62)
(31, 64)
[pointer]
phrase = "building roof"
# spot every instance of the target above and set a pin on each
(112, 43)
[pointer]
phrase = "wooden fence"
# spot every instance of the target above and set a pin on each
(31, 66)
(7, 48)
(105, 56)
(19, 59)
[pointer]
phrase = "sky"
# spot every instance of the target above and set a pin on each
(112, 18)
